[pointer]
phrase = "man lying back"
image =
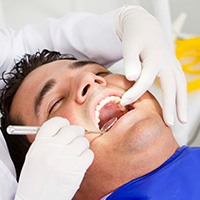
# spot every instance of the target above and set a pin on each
(137, 158)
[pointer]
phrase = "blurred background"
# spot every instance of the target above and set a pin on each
(17, 13)
(181, 16)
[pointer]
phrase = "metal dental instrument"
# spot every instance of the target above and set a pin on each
(22, 130)
(108, 124)
(32, 130)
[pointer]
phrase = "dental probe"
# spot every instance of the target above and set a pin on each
(22, 130)
(32, 130)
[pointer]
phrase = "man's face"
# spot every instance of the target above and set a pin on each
(67, 89)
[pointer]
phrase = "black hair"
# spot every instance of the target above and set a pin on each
(19, 145)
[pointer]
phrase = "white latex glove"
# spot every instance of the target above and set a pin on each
(147, 56)
(56, 162)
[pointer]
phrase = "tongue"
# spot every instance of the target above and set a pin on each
(108, 111)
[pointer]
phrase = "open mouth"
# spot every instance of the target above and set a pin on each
(110, 108)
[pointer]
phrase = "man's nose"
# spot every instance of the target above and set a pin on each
(86, 82)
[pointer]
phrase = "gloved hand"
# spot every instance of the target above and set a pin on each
(56, 162)
(147, 55)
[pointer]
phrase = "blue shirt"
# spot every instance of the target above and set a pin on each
(178, 178)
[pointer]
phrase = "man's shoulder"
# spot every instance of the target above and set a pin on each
(185, 154)
(193, 152)
(195, 149)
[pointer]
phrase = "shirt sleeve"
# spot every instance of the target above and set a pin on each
(84, 35)
(8, 183)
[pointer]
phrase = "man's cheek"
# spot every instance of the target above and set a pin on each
(120, 81)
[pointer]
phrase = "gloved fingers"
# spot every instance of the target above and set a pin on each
(131, 54)
(65, 135)
(132, 67)
(86, 158)
(51, 127)
(144, 82)
(77, 147)
(68, 133)
(168, 85)
(181, 100)
(74, 165)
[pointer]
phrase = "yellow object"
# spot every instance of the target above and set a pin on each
(193, 85)
(188, 53)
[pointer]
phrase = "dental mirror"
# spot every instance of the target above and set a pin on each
(105, 127)
(108, 124)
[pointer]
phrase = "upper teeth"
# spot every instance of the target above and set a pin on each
(116, 99)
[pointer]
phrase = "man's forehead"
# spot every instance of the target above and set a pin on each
(67, 64)
(50, 69)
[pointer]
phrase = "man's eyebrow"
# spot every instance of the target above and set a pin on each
(38, 99)
(82, 63)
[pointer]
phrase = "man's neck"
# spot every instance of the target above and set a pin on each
(103, 181)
